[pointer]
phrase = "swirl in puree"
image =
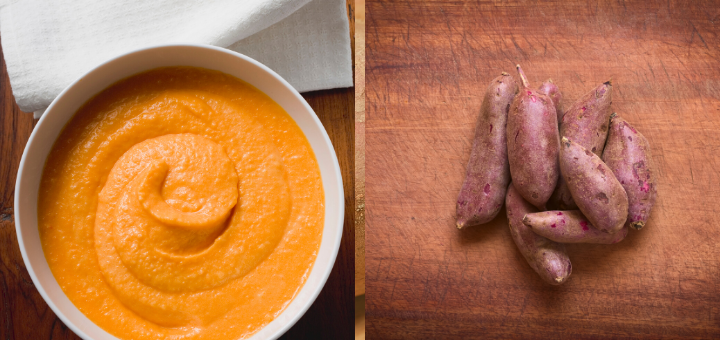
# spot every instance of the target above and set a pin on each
(181, 203)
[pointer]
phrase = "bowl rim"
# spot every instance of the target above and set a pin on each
(315, 120)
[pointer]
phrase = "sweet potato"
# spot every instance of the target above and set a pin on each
(488, 171)
(627, 154)
(552, 91)
(546, 257)
(569, 227)
(533, 143)
(593, 186)
(586, 123)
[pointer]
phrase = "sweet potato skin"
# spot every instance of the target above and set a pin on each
(488, 171)
(586, 123)
(569, 226)
(546, 257)
(552, 91)
(533, 144)
(594, 187)
(628, 155)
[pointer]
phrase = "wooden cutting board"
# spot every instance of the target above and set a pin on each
(428, 64)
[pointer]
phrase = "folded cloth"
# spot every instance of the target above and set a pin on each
(49, 44)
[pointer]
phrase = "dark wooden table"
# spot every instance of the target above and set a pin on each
(25, 315)
(428, 64)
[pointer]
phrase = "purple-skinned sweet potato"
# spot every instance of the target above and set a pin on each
(593, 186)
(586, 123)
(533, 143)
(546, 257)
(552, 91)
(627, 154)
(488, 172)
(569, 227)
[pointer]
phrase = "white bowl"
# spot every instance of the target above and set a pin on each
(69, 101)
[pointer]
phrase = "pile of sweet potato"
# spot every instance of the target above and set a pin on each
(581, 175)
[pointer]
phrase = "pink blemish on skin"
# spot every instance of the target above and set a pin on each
(553, 225)
(601, 169)
(490, 127)
(529, 93)
(584, 225)
(645, 186)
(560, 213)
(563, 221)
(630, 138)
(533, 99)
(487, 188)
(584, 108)
(622, 182)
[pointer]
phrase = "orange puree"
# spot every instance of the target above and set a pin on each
(181, 203)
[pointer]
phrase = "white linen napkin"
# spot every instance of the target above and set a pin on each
(49, 44)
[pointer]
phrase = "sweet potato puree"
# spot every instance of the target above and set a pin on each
(181, 203)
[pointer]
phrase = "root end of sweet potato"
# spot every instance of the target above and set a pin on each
(523, 77)
(637, 225)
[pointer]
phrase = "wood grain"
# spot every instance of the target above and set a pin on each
(360, 149)
(428, 64)
(25, 315)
